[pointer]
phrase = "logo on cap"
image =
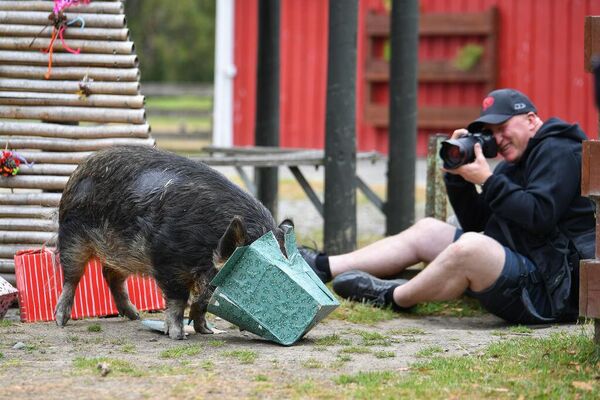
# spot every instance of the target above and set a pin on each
(519, 106)
(487, 103)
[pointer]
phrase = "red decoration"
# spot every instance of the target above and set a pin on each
(9, 163)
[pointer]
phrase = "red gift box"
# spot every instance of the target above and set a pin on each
(40, 279)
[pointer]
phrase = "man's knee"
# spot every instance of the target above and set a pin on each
(474, 249)
(470, 246)
(430, 225)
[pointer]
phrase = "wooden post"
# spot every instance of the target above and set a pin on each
(267, 98)
(435, 197)
(589, 270)
(400, 206)
(340, 122)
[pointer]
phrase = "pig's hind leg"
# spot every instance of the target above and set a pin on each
(74, 255)
(116, 283)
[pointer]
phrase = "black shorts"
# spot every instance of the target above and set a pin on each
(505, 297)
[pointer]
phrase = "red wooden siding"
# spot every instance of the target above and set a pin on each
(540, 51)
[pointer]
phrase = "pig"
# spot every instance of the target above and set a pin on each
(141, 210)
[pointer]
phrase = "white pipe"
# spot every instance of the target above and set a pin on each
(225, 71)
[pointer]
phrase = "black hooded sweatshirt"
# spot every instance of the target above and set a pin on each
(536, 197)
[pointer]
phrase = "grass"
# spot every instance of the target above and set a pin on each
(4, 323)
(429, 351)
(562, 366)
(94, 328)
(244, 356)
(373, 338)
(117, 367)
(332, 340)
(179, 102)
(186, 350)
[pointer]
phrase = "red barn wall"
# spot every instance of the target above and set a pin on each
(540, 51)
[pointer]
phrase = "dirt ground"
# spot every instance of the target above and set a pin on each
(41, 360)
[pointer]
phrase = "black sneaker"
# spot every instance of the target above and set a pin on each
(310, 256)
(363, 287)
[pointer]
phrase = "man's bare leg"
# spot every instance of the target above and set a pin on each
(423, 241)
(474, 261)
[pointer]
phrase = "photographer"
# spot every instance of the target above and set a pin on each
(524, 227)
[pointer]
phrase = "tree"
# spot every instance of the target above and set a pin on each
(174, 39)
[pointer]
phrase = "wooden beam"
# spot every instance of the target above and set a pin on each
(591, 41)
(453, 24)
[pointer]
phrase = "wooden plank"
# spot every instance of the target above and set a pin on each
(446, 24)
(590, 168)
(432, 71)
(310, 157)
(430, 117)
(589, 288)
(591, 40)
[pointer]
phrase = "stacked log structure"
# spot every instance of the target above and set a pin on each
(55, 117)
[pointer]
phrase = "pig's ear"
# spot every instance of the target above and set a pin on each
(286, 224)
(234, 236)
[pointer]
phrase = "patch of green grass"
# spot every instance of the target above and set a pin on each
(244, 356)
(207, 365)
(1, 355)
(332, 340)
(407, 332)
(4, 323)
(429, 351)
(185, 350)
(312, 363)
(261, 378)
(179, 102)
(355, 350)
(73, 338)
(128, 348)
(344, 357)
(384, 354)
(216, 343)
(117, 367)
(370, 338)
(521, 330)
(94, 328)
(365, 379)
(364, 314)
(463, 307)
(562, 366)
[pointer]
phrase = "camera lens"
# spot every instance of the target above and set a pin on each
(454, 154)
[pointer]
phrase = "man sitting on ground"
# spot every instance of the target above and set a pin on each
(521, 237)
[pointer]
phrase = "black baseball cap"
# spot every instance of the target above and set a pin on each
(499, 106)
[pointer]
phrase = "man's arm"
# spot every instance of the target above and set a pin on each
(552, 179)
(470, 208)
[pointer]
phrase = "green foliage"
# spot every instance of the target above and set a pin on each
(174, 39)
(468, 56)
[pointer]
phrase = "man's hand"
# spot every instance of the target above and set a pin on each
(476, 172)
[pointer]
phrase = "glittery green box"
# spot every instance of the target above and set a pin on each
(263, 292)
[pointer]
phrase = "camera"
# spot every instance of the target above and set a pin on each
(457, 152)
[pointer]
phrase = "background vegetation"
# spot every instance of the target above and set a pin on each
(174, 39)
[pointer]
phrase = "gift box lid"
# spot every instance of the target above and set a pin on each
(263, 292)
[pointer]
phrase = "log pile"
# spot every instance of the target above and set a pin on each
(55, 117)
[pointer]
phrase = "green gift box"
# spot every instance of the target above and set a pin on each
(263, 292)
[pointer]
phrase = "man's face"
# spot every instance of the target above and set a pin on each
(513, 135)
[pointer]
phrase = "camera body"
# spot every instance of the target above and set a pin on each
(461, 151)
